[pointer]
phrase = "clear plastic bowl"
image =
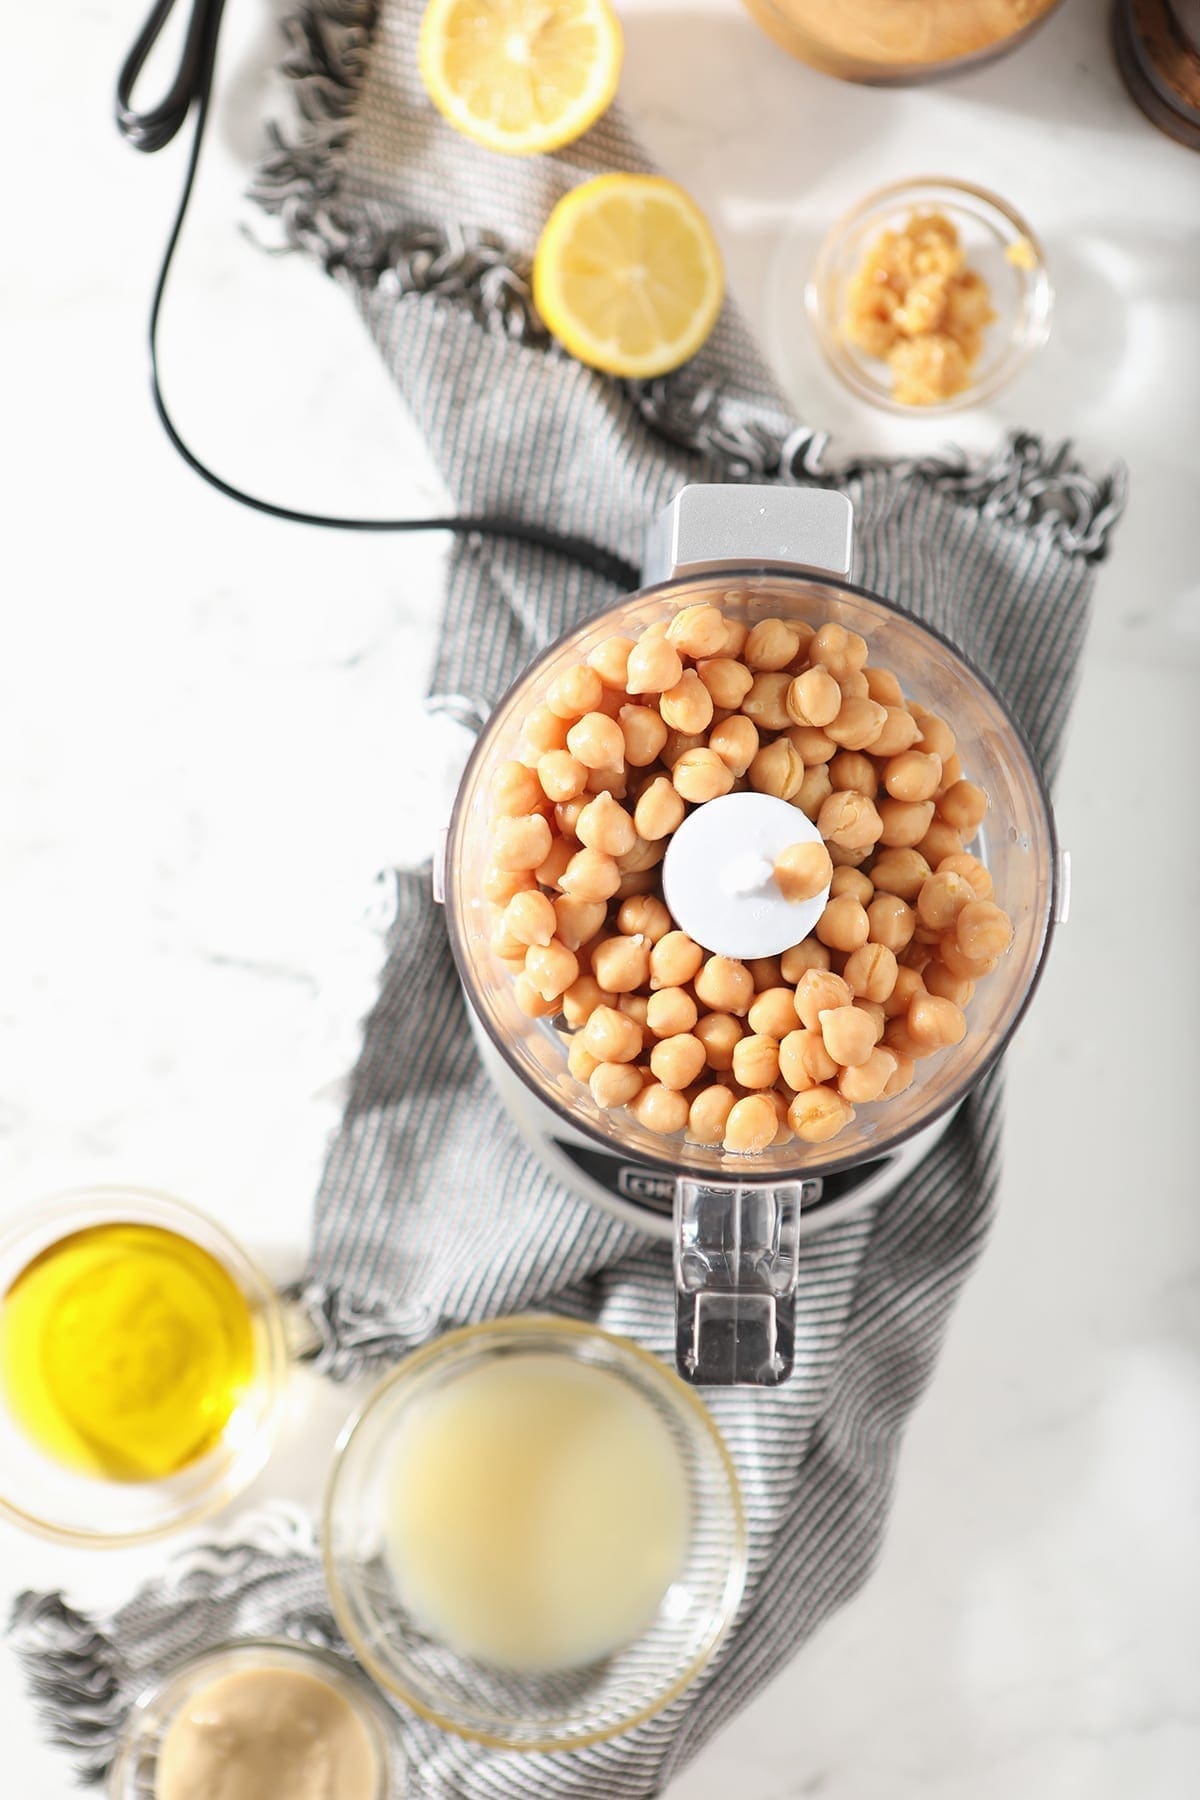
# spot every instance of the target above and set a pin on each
(47, 1497)
(989, 228)
(1017, 841)
(522, 1711)
(133, 1773)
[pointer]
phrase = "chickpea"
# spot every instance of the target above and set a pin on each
(635, 1007)
(644, 881)
(725, 985)
(936, 737)
(700, 775)
(840, 651)
(777, 769)
(688, 705)
(727, 681)
(983, 931)
(646, 916)
(900, 1041)
(544, 730)
(671, 1011)
(938, 980)
(850, 820)
(709, 1114)
(941, 899)
(560, 775)
(530, 918)
(566, 813)
(870, 972)
(520, 843)
(645, 856)
(939, 842)
(854, 686)
(883, 686)
(551, 968)
(819, 1114)
(614, 782)
(735, 741)
(900, 732)
(697, 631)
(804, 870)
(952, 771)
(912, 775)
(615, 1084)
(848, 1034)
(508, 948)
(904, 822)
(575, 692)
(851, 769)
(581, 999)
(901, 871)
(814, 698)
(643, 733)
(612, 1036)
(771, 645)
(610, 659)
(532, 1003)
(622, 964)
(804, 1061)
(766, 972)
(653, 667)
(813, 745)
(816, 991)
(604, 825)
(736, 630)
(499, 885)
(874, 1011)
(958, 962)
(660, 1109)
(963, 806)
(756, 1061)
(844, 924)
(773, 1015)
(863, 1082)
(674, 960)
(934, 1021)
(854, 882)
(813, 791)
(811, 954)
(515, 790)
(719, 1033)
(589, 875)
(580, 1061)
(891, 922)
(906, 1068)
(678, 744)
(596, 740)
(841, 858)
(917, 956)
(971, 870)
(551, 871)
(751, 1124)
(765, 702)
(677, 1061)
(577, 921)
(660, 810)
(858, 723)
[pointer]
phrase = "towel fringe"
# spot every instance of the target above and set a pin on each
(74, 1675)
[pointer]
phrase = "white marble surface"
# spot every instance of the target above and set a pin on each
(209, 745)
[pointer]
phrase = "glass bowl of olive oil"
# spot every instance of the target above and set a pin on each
(142, 1366)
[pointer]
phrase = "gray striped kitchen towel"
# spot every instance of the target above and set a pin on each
(431, 1212)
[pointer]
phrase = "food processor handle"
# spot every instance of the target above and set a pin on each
(737, 1252)
(713, 526)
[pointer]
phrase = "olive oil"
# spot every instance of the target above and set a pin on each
(125, 1350)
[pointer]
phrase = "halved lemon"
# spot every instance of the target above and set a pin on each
(628, 276)
(520, 75)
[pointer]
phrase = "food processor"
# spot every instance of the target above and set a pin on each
(736, 1220)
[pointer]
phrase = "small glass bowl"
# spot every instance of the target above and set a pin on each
(510, 1711)
(989, 229)
(133, 1774)
(71, 1506)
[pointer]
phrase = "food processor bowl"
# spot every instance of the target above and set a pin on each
(756, 553)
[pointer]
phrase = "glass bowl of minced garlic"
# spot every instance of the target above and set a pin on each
(929, 295)
(142, 1367)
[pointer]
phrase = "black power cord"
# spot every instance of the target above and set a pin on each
(157, 127)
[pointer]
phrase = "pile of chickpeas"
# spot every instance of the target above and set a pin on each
(740, 1054)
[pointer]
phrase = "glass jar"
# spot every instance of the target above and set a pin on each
(896, 43)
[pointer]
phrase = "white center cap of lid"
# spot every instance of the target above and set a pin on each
(719, 876)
